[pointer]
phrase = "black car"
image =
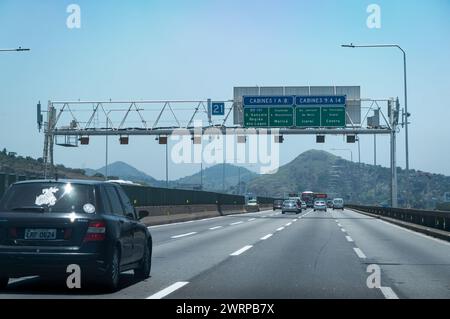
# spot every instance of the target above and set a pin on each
(277, 204)
(45, 226)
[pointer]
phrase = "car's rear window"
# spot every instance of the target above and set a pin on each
(49, 197)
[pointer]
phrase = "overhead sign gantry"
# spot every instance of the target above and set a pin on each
(296, 110)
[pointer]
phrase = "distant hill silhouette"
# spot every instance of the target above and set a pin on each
(213, 178)
(125, 171)
(320, 171)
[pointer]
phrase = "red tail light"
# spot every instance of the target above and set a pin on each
(96, 231)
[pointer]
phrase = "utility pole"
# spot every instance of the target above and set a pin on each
(393, 115)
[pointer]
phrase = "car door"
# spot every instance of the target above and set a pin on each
(139, 236)
(123, 224)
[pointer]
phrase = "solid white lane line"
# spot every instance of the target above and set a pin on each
(359, 253)
(415, 233)
(16, 280)
(388, 293)
(187, 222)
(184, 235)
(216, 227)
(236, 223)
(281, 228)
(288, 224)
(240, 251)
(343, 230)
(168, 290)
(349, 238)
(204, 219)
(251, 219)
(265, 237)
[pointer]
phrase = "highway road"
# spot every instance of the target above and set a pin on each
(270, 255)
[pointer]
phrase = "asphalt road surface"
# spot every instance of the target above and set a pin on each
(270, 255)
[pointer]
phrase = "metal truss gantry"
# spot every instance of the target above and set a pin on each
(72, 120)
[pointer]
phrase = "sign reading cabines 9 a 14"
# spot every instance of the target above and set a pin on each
(320, 111)
(268, 111)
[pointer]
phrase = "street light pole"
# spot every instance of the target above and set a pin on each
(167, 165)
(351, 45)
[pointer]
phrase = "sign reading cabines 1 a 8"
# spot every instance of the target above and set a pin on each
(320, 111)
(268, 111)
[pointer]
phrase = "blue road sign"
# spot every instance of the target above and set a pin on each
(218, 108)
(260, 100)
(320, 100)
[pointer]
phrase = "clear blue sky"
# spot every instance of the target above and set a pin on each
(199, 49)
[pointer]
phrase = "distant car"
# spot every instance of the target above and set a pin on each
(304, 206)
(320, 205)
(48, 225)
(277, 204)
(338, 203)
(291, 206)
(252, 206)
(330, 203)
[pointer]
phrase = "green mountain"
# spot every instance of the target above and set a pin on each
(124, 171)
(320, 171)
(11, 163)
(213, 179)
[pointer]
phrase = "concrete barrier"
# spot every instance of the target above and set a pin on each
(180, 213)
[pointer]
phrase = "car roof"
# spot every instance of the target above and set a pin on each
(73, 181)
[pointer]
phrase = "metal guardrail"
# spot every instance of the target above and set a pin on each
(428, 218)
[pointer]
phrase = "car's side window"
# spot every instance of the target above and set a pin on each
(129, 210)
(105, 200)
(116, 208)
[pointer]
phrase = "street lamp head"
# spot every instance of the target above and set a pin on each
(22, 49)
(347, 45)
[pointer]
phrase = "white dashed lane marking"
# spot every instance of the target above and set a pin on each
(359, 253)
(240, 251)
(168, 290)
(183, 235)
(236, 223)
(266, 237)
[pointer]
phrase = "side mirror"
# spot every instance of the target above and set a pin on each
(143, 214)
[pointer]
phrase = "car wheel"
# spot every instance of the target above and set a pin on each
(282, 212)
(143, 272)
(3, 282)
(112, 274)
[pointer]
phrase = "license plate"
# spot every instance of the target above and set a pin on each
(40, 234)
